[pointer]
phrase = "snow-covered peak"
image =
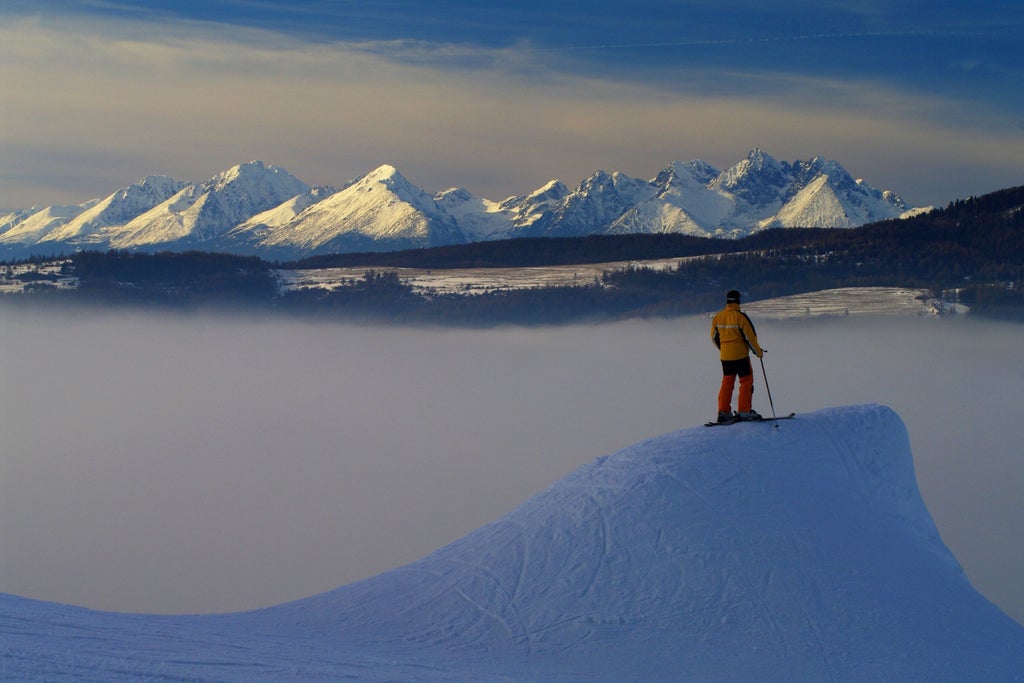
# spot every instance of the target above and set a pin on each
(154, 184)
(695, 172)
(758, 159)
(27, 228)
(386, 178)
(454, 196)
(208, 211)
(815, 205)
(700, 170)
(250, 170)
(827, 166)
(283, 213)
(741, 553)
(544, 197)
(592, 207)
(757, 181)
(383, 210)
(386, 175)
(257, 181)
(553, 189)
(117, 209)
(526, 210)
(382, 173)
(757, 162)
(806, 172)
(9, 220)
(478, 219)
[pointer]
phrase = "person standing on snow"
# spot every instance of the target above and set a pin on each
(734, 335)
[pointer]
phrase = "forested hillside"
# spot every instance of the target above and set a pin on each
(971, 251)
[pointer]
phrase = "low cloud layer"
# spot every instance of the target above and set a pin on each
(184, 464)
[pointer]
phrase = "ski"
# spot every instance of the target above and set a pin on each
(760, 419)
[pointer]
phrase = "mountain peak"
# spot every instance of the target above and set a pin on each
(757, 167)
(117, 209)
(694, 172)
(158, 181)
(238, 171)
(552, 188)
(386, 174)
(379, 210)
(205, 213)
(759, 157)
(692, 197)
(255, 172)
(385, 170)
(389, 176)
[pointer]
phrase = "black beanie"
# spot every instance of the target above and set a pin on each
(733, 297)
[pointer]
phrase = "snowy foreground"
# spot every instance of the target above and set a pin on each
(742, 553)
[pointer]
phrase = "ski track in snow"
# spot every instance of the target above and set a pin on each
(518, 633)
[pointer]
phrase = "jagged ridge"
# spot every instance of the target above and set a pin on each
(258, 209)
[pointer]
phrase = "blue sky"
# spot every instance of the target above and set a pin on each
(919, 97)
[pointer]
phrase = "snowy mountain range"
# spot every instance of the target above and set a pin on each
(742, 553)
(260, 209)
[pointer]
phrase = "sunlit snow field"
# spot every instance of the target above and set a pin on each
(469, 280)
(199, 464)
(835, 302)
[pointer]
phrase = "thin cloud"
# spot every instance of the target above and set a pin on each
(498, 121)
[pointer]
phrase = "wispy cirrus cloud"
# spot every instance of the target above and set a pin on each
(101, 104)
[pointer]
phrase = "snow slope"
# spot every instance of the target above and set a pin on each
(683, 203)
(382, 207)
(252, 231)
(694, 198)
(802, 553)
(117, 209)
(27, 227)
(593, 206)
(207, 211)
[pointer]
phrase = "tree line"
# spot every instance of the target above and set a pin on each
(972, 249)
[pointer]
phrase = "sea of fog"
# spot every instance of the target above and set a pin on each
(176, 463)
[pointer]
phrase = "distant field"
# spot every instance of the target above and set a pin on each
(14, 278)
(854, 301)
(469, 280)
(832, 302)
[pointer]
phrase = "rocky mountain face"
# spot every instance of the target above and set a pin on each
(260, 209)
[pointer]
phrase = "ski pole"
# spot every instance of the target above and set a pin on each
(768, 389)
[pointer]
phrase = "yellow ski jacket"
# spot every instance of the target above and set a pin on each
(733, 333)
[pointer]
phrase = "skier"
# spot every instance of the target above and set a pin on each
(734, 335)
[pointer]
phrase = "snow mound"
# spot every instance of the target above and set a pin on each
(802, 553)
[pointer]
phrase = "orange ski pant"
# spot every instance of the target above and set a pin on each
(731, 369)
